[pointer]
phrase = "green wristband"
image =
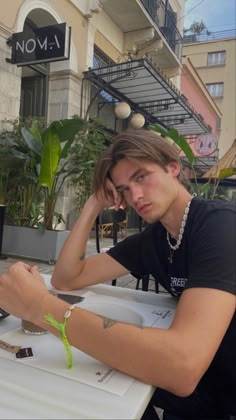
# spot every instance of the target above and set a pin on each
(62, 328)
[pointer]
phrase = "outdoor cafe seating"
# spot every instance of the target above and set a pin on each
(106, 223)
(117, 222)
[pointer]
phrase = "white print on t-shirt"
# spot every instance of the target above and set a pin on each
(178, 281)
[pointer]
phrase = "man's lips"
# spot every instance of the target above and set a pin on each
(144, 208)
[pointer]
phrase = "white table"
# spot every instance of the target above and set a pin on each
(29, 393)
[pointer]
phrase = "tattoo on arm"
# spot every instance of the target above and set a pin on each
(82, 257)
(107, 322)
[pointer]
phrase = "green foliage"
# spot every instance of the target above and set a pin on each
(18, 178)
(226, 173)
(83, 156)
(36, 161)
(210, 189)
(50, 148)
(180, 140)
(197, 28)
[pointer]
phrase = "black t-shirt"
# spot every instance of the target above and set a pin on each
(206, 258)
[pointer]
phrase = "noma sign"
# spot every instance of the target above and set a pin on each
(41, 45)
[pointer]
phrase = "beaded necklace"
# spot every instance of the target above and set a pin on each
(173, 248)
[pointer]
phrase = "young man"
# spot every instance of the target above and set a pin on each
(189, 245)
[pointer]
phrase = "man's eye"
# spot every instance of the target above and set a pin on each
(140, 178)
(123, 190)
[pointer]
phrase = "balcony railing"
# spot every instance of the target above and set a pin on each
(209, 36)
(165, 18)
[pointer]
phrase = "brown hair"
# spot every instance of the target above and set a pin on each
(136, 145)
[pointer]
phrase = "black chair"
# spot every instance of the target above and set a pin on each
(145, 278)
(145, 282)
(115, 218)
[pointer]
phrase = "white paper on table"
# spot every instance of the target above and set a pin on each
(50, 356)
(142, 314)
(49, 350)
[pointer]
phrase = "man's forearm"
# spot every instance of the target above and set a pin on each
(71, 259)
(149, 354)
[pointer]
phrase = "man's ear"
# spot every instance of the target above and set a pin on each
(173, 168)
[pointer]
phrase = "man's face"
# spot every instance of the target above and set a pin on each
(146, 187)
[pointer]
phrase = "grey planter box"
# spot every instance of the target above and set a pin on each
(31, 243)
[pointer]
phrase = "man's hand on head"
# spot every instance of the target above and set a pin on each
(110, 197)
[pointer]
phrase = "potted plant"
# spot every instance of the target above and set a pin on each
(12, 162)
(46, 170)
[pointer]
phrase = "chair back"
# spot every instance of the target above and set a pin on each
(113, 218)
(116, 217)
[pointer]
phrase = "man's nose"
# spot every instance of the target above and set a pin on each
(136, 193)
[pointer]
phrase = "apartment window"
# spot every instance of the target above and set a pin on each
(100, 59)
(215, 89)
(216, 58)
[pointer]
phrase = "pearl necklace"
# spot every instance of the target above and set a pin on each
(173, 248)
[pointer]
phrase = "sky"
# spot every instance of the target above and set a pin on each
(218, 15)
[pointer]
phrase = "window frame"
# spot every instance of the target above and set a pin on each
(216, 58)
(218, 94)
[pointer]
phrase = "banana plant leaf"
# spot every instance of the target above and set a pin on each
(178, 139)
(35, 132)
(66, 131)
(182, 143)
(50, 148)
(158, 129)
(50, 158)
(33, 144)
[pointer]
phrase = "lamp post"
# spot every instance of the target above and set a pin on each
(122, 110)
(137, 121)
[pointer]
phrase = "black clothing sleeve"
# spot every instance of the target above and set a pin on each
(130, 253)
(212, 256)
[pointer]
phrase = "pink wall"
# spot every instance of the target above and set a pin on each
(190, 90)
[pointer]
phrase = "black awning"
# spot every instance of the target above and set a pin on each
(148, 91)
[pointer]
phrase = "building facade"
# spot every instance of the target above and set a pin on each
(204, 146)
(53, 90)
(120, 51)
(50, 91)
(214, 57)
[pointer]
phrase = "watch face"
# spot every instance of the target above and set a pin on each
(205, 144)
